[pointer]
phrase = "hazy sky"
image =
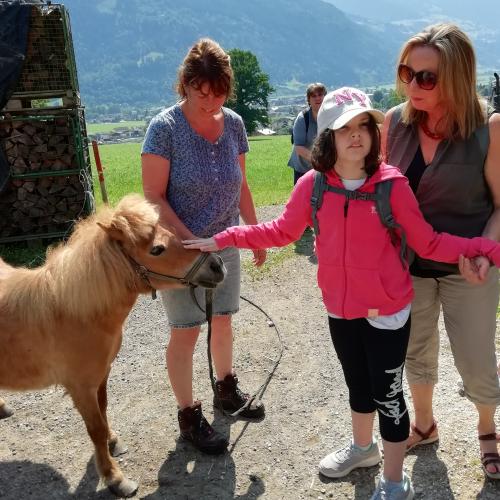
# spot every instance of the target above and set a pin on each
(483, 12)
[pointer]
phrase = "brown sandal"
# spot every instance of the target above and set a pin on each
(490, 458)
(425, 437)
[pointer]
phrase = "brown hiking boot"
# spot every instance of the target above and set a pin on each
(230, 398)
(195, 428)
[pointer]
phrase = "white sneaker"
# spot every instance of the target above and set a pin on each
(388, 490)
(341, 462)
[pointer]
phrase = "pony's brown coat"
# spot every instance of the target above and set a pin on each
(62, 322)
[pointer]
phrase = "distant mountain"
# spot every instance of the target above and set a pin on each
(128, 51)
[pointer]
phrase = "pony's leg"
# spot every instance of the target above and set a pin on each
(86, 402)
(116, 446)
(5, 410)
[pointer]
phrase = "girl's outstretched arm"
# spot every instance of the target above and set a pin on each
(288, 227)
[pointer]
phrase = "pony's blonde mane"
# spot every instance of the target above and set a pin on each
(90, 274)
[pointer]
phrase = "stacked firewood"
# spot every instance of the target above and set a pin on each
(37, 202)
(41, 205)
(38, 145)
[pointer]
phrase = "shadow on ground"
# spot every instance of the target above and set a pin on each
(188, 473)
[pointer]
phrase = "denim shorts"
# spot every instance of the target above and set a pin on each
(182, 312)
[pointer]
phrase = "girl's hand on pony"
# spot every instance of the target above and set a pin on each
(203, 244)
(474, 270)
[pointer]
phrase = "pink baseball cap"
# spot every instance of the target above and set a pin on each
(342, 105)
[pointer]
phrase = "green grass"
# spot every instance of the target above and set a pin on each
(122, 170)
(275, 257)
(269, 177)
(105, 127)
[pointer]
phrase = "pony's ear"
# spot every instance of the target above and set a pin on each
(113, 232)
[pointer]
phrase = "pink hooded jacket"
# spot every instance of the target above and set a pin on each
(360, 272)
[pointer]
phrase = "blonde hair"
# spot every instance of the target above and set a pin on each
(456, 79)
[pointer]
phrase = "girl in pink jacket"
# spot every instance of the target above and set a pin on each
(366, 290)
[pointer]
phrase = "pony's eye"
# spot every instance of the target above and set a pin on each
(157, 250)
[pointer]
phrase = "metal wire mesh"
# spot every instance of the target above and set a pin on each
(49, 63)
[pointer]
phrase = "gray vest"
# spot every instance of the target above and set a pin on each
(453, 194)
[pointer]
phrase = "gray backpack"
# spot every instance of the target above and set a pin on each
(381, 197)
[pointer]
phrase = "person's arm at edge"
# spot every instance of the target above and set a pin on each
(475, 270)
(304, 152)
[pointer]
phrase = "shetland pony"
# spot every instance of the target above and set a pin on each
(61, 323)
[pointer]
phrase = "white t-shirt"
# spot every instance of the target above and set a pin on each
(392, 321)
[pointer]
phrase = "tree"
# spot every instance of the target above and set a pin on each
(251, 89)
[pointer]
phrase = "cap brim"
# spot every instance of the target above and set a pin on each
(351, 113)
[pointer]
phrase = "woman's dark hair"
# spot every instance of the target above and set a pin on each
(324, 152)
(206, 62)
(313, 88)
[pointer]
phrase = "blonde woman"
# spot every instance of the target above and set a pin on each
(448, 147)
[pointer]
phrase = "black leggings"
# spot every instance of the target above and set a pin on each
(373, 360)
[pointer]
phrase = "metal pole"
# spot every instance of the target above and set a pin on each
(100, 172)
(496, 93)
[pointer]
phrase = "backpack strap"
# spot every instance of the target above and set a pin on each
(319, 187)
(384, 210)
(352, 195)
(307, 115)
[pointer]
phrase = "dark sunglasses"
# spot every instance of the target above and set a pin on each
(426, 80)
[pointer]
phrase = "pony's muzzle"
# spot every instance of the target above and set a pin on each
(213, 272)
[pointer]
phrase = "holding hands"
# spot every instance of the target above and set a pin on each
(474, 270)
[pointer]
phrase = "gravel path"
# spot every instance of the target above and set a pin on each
(45, 452)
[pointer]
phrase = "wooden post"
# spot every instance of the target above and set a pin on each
(100, 172)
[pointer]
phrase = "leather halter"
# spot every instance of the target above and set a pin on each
(145, 274)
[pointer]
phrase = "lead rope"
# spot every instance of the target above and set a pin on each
(209, 295)
(208, 313)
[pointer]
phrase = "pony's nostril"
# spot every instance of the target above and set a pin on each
(217, 267)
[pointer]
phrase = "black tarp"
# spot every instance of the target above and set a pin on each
(14, 28)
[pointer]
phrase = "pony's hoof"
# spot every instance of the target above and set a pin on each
(117, 447)
(124, 489)
(6, 411)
